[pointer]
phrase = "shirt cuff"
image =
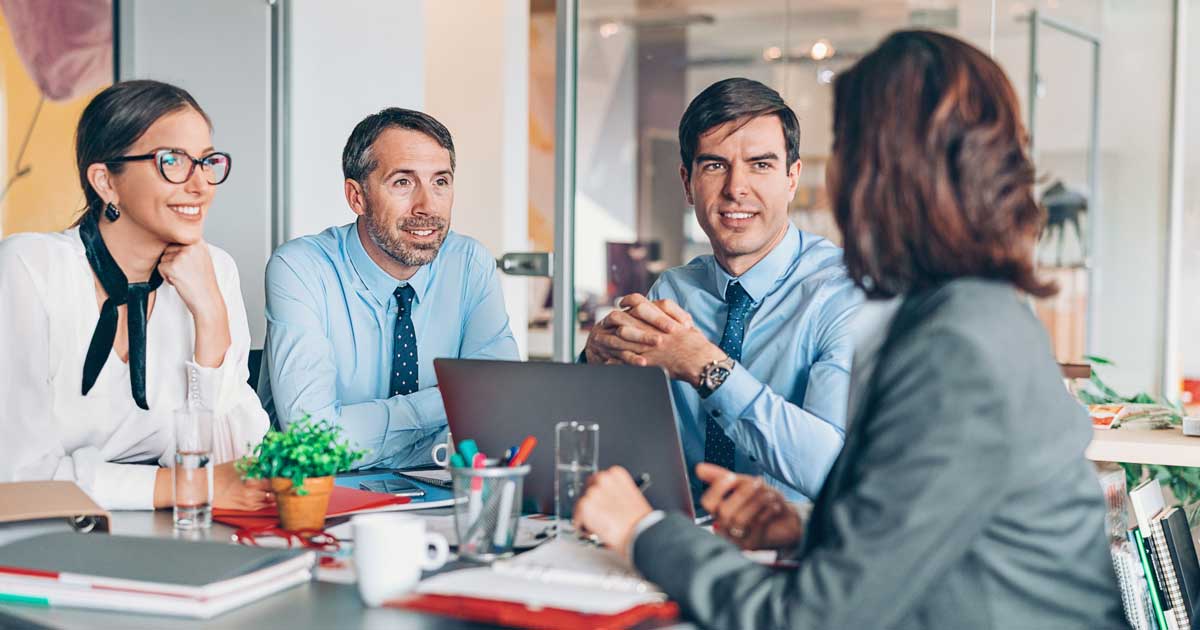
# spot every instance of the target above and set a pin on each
(203, 386)
(123, 486)
(648, 521)
(726, 404)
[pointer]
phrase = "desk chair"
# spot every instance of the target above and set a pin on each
(254, 364)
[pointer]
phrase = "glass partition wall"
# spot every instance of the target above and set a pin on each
(1095, 74)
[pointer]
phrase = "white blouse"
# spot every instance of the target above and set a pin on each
(103, 441)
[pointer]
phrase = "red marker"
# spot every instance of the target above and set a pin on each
(479, 461)
(523, 452)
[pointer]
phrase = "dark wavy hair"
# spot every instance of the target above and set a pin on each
(115, 119)
(929, 178)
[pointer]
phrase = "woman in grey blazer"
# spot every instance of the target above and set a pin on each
(962, 498)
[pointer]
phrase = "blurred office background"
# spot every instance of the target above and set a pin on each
(1114, 111)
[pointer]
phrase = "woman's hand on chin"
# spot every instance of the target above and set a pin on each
(189, 268)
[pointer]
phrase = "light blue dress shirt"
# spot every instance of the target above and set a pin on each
(784, 404)
(330, 321)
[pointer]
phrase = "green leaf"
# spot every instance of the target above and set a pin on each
(1112, 395)
(306, 449)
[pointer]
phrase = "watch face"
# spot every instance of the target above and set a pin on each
(715, 376)
(712, 376)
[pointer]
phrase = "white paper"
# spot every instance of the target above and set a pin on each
(483, 583)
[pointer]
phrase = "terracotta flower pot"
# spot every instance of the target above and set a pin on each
(302, 512)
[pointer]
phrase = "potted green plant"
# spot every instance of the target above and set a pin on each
(1184, 481)
(300, 463)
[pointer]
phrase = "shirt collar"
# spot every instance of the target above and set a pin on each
(761, 278)
(380, 283)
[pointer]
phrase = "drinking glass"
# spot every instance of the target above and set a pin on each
(192, 474)
(576, 452)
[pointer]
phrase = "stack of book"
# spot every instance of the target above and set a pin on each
(1160, 576)
(145, 575)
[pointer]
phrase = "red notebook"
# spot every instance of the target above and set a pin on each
(342, 501)
(515, 615)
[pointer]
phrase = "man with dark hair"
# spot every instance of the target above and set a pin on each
(357, 313)
(755, 336)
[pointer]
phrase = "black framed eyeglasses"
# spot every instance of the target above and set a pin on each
(176, 166)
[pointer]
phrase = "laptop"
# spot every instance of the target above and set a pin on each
(498, 403)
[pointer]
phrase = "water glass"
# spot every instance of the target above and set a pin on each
(576, 453)
(192, 475)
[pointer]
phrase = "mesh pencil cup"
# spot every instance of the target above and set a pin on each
(486, 509)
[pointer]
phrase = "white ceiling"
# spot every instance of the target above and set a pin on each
(741, 28)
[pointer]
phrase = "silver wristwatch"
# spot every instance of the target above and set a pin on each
(712, 375)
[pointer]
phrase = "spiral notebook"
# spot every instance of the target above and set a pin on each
(561, 575)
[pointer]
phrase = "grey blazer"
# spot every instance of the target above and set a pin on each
(961, 499)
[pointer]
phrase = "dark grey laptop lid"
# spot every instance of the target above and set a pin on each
(498, 403)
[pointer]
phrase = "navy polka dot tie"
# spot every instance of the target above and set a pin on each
(404, 363)
(718, 448)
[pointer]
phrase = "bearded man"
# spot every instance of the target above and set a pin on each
(357, 314)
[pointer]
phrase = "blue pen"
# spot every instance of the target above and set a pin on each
(508, 455)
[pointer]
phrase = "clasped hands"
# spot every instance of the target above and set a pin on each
(658, 332)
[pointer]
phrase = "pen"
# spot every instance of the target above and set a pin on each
(457, 461)
(523, 452)
(509, 453)
(643, 482)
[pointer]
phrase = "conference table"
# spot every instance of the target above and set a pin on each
(315, 604)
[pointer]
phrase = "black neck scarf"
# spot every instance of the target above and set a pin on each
(120, 291)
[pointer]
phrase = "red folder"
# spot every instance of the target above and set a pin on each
(514, 615)
(342, 501)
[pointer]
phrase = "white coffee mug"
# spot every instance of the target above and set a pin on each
(443, 450)
(390, 551)
(444, 458)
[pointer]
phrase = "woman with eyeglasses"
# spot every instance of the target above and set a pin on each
(110, 327)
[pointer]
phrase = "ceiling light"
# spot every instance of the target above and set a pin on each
(821, 49)
(774, 53)
(608, 29)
